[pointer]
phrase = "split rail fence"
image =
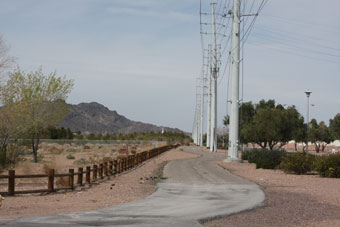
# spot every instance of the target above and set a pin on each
(92, 174)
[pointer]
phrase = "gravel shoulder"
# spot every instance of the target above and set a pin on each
(130, 186)
(292, 200)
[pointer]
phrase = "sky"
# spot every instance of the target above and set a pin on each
(142, 57)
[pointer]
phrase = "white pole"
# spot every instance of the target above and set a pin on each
(209, 104)
(235, 57)
(308, 94)
(213, 132)
(202, 110)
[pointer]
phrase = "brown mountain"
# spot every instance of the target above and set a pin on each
(96, 118)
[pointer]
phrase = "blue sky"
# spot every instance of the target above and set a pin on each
(141, 57)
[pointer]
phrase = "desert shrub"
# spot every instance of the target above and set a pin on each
(25, 152)
(122, 151)
(71, 149)
(245, 154)
(253, 155)
(81, 161)
(12, 154)
(70, 156)
(54, 150)
(328, 166)
(94, 159)
(121, 156)
(40, 157)
(298, 163)
(107, 159)
(266, 159)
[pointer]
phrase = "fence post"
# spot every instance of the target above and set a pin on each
(88, 174)
(115, 167)
(134, 160)
(11, 182)
(80, 176)
(105, 169)
(101, 170)
(95, 168)
(111, 168)
(51, 180)
(71, 178)
(118, 166)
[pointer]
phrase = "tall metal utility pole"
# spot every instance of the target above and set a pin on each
(214, 71)
(235, 58)
(308, 95)
(209, 101)
(202, 110)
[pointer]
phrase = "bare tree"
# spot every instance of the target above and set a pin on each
(7, 114)
(5, 59)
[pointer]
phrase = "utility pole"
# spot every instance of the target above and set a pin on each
(202, 109)
(209, 102)
(308, 95)
(235, 59)
(214, 71)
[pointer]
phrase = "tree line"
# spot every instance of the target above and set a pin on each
(270, 125)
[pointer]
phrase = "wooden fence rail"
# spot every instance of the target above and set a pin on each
(100, 171)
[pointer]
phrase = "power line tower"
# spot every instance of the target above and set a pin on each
(209, 98)
(235, 70)
(213, 81)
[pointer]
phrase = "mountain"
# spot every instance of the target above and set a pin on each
(96, 118)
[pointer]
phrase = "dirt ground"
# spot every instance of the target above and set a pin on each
(130, 186)
(292, 200)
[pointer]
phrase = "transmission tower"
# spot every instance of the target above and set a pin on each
(209, 98)
(213, 81)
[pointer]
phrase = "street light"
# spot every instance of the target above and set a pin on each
(307, 94)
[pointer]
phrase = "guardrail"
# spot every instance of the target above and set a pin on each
(100, 171)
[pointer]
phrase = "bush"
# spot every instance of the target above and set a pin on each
(71, 149)
(81, 161)
(328, 166)
(265, 159)
(70, 156)
(245, 154)
(40, 157)
(298, 163)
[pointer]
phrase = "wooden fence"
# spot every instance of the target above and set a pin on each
(92, 174)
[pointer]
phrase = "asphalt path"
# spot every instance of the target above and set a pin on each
(195, 190)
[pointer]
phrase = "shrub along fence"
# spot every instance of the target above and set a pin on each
(327, 165)
(92, 174)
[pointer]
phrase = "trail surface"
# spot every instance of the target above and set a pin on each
(194, 190)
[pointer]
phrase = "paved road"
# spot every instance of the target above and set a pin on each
(195, 190)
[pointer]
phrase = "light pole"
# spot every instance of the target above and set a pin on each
(307, 94)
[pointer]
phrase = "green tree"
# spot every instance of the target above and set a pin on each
(41, 99)
(70, 135)
(268, 124)
(53, 132)
(319, 135)
(334, 126)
